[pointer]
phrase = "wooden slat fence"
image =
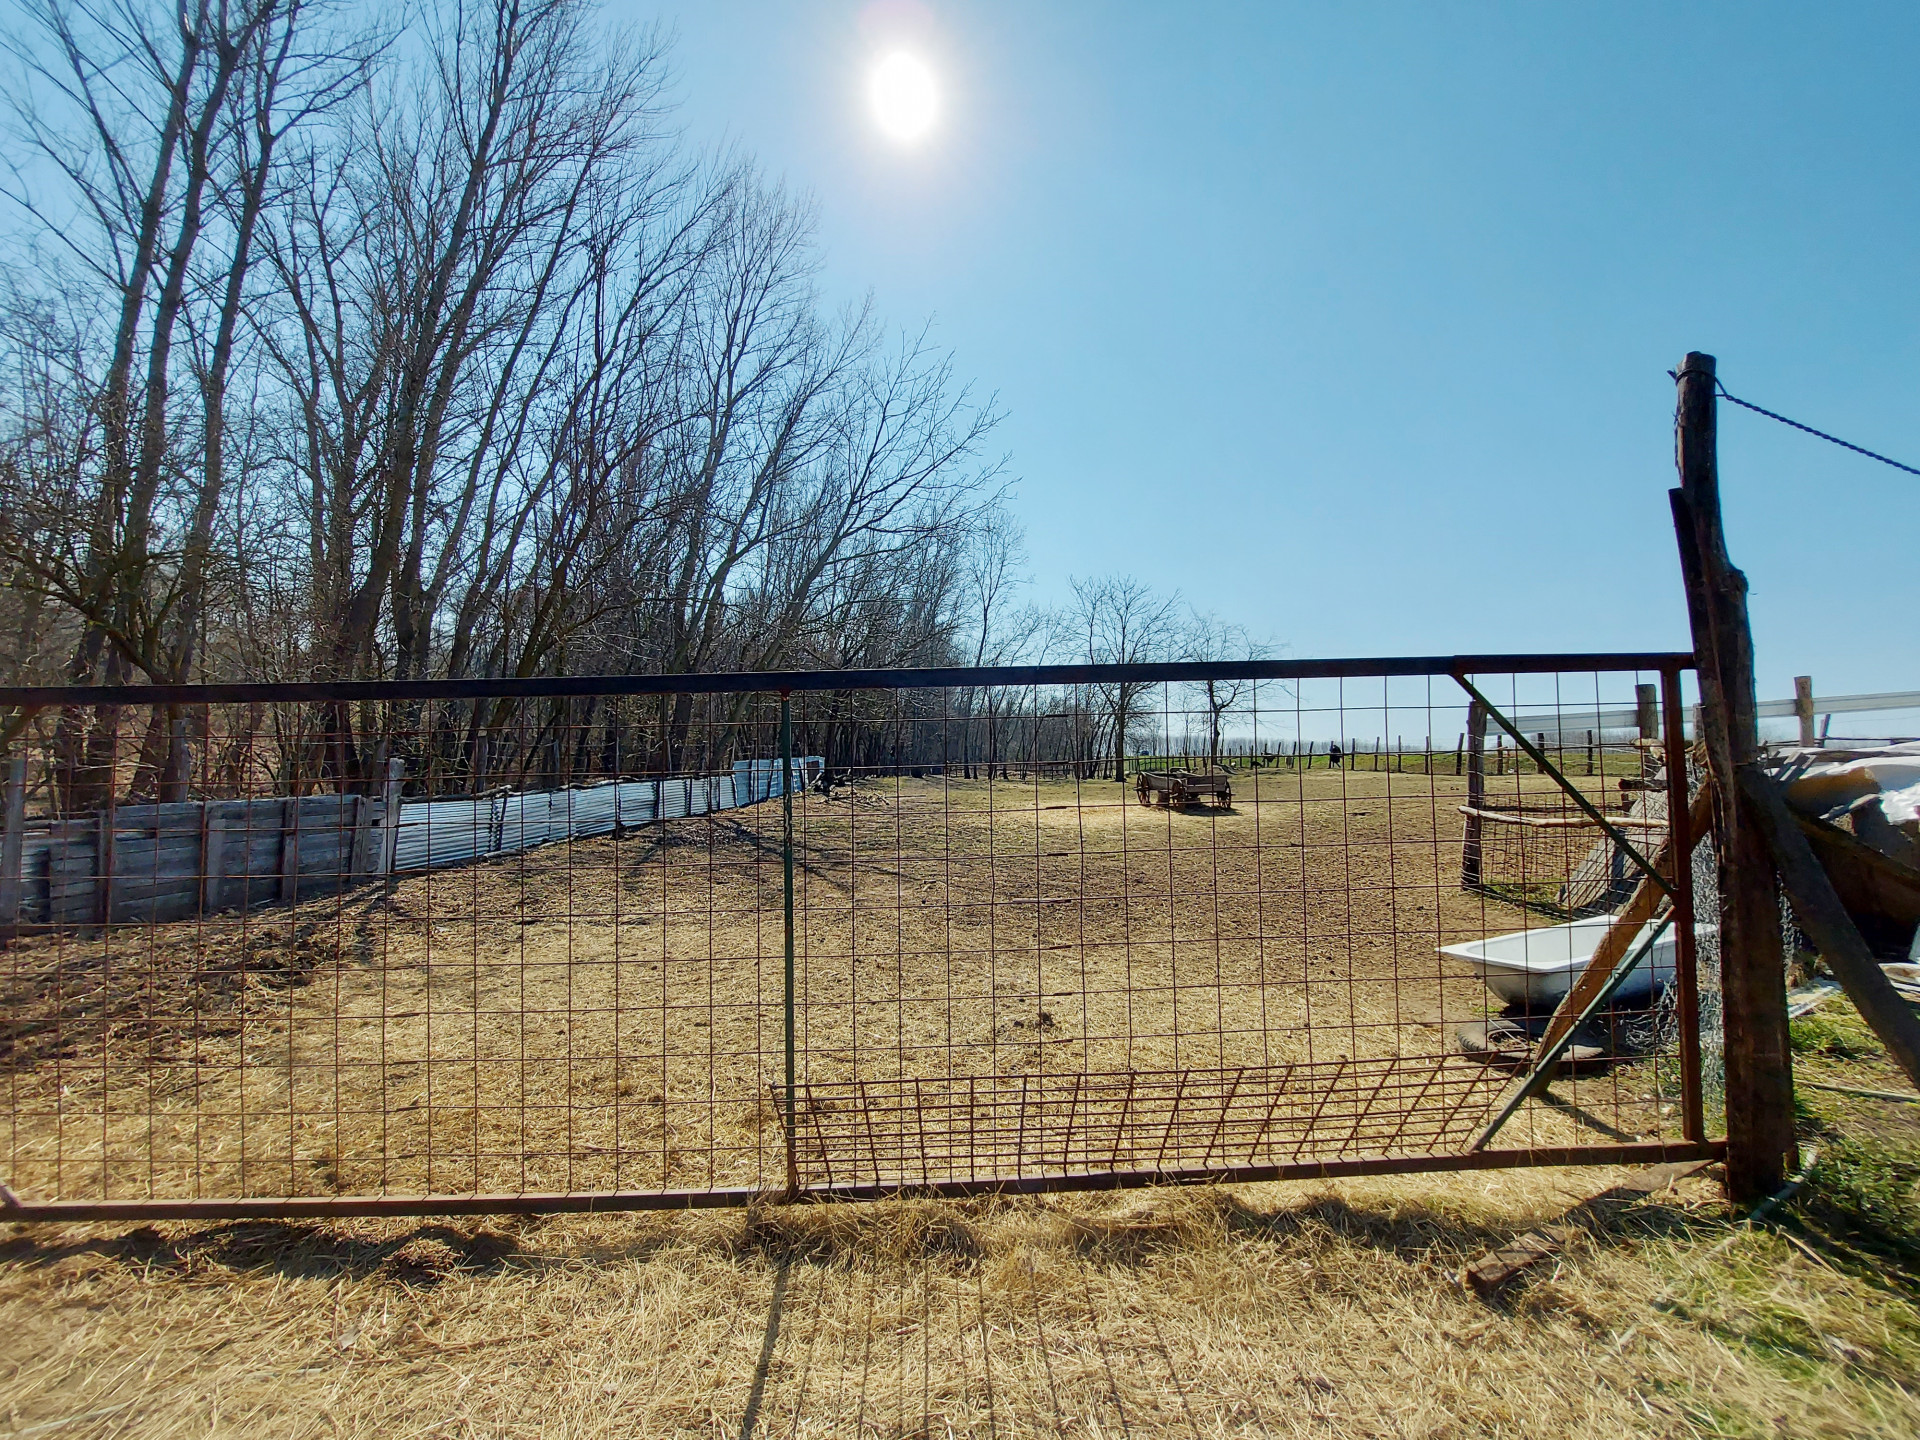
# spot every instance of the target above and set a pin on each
(158, 863)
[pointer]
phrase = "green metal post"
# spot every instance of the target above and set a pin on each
(786, 856)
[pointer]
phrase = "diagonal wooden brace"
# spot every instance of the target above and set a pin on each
(1612, 948)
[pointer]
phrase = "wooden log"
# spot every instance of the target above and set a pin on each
(1818, 909)
(13, 843)
(363, 839)
(1499, 1267)
(1562, 822)
(213, 861)
(103, 858)
(1646, 712)
(1760, 1123)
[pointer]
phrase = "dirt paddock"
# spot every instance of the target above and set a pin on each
(606, 1013)
(990, 978)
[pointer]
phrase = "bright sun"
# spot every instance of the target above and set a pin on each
(905, 98)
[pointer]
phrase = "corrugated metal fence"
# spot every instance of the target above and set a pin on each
(450, 832)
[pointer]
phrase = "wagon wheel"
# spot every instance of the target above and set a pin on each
(1143, 790)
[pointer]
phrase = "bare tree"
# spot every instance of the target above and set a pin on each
(1210, 638)
(446, 358)
(162, 122)
(1119, 620)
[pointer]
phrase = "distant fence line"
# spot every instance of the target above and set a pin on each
(198, 857)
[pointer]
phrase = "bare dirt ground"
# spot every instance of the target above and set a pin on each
(999, 977)
(607, 1014)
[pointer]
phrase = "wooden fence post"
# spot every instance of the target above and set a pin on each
(103, 857)
(390, 814)
(1646, 711)
(1760, 1134)
(213, 858)
(13, 841)
(1803, 708)
(290, 849)
(1476, 742)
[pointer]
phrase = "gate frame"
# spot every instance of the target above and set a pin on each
(25, 701)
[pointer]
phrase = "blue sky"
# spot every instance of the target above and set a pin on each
(1352, 322)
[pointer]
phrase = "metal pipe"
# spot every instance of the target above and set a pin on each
(772, 681)
(577, 1202)
(786, 860)
(1686, 973)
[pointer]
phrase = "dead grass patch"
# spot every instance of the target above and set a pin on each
(1272, 1310)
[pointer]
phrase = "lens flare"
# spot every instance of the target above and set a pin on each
(906, 100)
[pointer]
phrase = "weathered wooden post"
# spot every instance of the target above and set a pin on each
(1476, 741)
(290, 848)
(13, 844)
(390, 814)
(1803, 709)
(1646, 712)
(213, 858)
(1760, 1135)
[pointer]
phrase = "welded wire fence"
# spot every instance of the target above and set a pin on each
(693, 940)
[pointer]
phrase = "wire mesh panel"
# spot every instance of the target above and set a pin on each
(691, 941)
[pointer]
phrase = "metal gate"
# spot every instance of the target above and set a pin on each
(598, 943)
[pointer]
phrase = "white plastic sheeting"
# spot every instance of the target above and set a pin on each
(451, 832)
(1831, 782)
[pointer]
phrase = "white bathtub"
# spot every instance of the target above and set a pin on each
(1539, 966)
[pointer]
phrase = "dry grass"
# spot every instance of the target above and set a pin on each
(1260, 1311)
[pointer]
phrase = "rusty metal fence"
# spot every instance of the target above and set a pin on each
(298, 949)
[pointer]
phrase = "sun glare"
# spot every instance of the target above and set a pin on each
(905, 98)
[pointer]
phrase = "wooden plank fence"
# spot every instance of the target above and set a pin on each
(159, 863)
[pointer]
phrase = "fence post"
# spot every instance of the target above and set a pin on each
(786, 860)
(1476, 742)
(213, 859)
(390, 814)
(290, 849)
(13, 844)
(103, 857)
(1760, 1130)
(359, 857)
(1803, 708)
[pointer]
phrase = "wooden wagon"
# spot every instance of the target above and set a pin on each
(1183, 787)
